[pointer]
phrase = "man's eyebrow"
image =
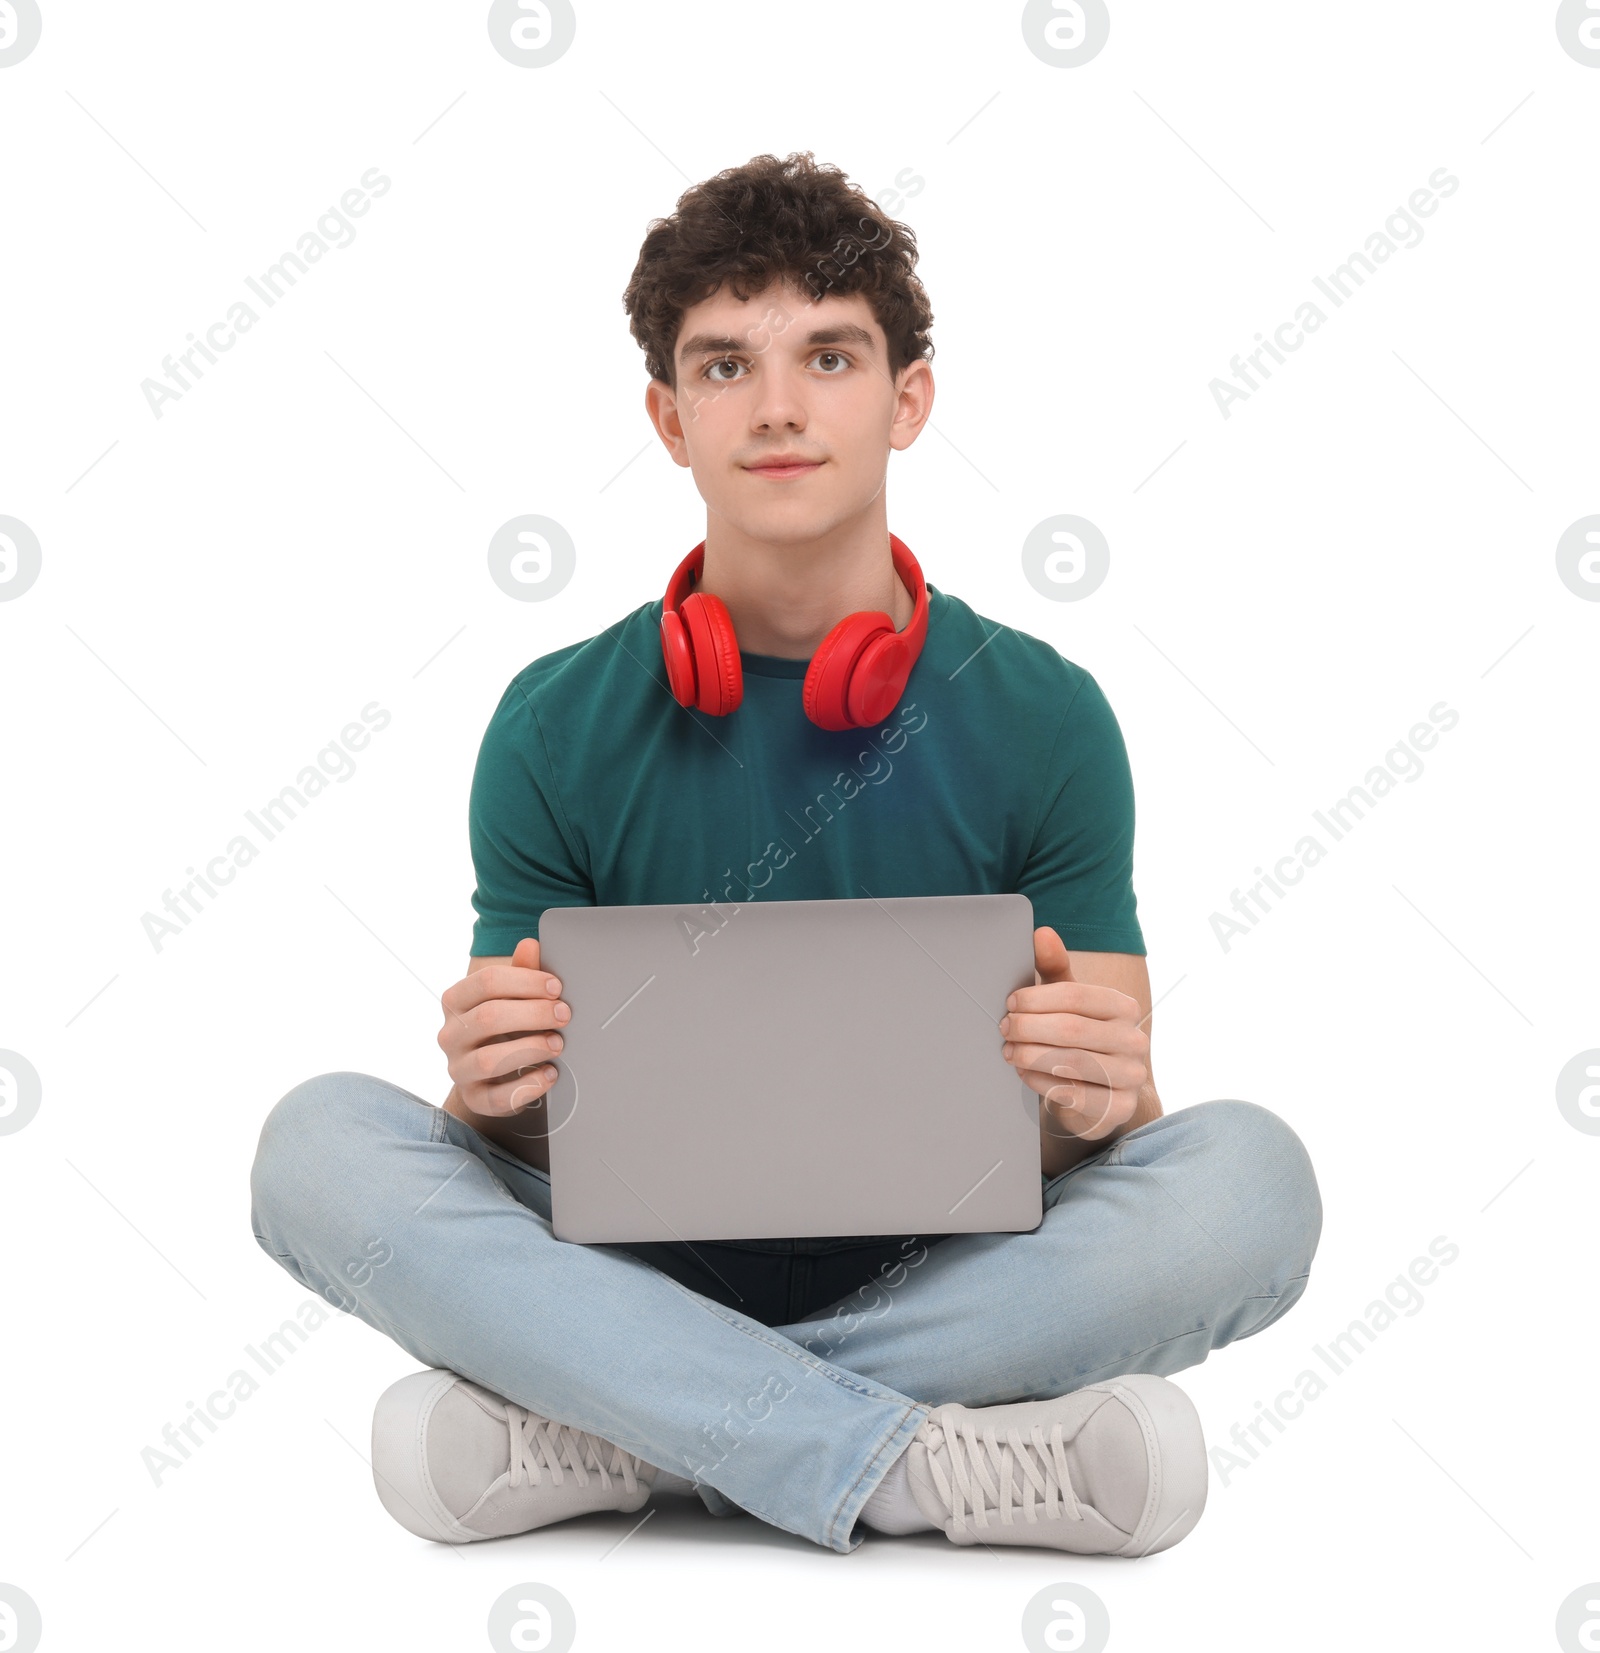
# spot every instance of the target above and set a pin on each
(724, 344)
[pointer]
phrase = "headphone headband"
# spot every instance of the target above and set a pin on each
(855, 678)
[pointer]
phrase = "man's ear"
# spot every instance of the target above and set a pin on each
(913, 404)
(661, 406)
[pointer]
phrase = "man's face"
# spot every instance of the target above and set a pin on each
(781, 376)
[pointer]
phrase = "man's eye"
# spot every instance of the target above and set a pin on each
(726, 361)
(844, 361)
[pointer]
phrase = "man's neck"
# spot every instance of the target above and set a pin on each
(784, 599)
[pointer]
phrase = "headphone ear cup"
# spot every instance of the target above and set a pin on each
(719, 677)
(878, 679)
(678, 654)
(827, 692)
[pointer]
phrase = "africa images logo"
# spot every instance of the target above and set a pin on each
(20, 26)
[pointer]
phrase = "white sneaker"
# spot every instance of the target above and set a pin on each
(455, 1462)
(1116, 1468)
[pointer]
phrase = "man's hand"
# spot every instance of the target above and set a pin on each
(1080, 1046)
(501, 1023)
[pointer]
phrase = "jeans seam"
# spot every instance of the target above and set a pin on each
(495, 1151)
(1139, 1354)
(1178, 1337)
(909, 1410)
(511, 1162)
(1110, 1157)
(1277, 1298)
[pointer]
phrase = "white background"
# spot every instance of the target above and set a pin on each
(304, 532)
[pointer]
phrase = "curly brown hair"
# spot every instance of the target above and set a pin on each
(792, 219)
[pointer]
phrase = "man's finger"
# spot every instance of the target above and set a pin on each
(1050, 957)
(521, 1092)
(1120, 1070)
(1071, 1031)
(502, 981)
(1082, 997)
(1073, 1108)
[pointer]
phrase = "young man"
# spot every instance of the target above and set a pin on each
(1001, 1388)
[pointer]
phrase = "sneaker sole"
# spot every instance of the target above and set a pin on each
(399, 1458)
(1175, 1444)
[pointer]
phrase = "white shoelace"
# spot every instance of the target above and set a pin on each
(537, 1444)
(976, 1461)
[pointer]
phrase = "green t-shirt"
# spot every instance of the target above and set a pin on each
(1002, 769)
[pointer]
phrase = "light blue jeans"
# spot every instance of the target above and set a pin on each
(1185, 1234)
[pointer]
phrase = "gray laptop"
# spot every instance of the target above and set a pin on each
(779, 1069)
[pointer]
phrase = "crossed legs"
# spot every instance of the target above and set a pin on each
(1194, 1230)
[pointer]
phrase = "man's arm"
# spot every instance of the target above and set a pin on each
(1127, 973)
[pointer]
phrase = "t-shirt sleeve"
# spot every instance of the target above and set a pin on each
(1079, 867)
(524, 851)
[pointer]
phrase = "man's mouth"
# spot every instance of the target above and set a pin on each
(777, 469)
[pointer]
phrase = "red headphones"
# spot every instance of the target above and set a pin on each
(855, 678)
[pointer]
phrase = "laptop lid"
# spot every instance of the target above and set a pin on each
(790, 1069)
